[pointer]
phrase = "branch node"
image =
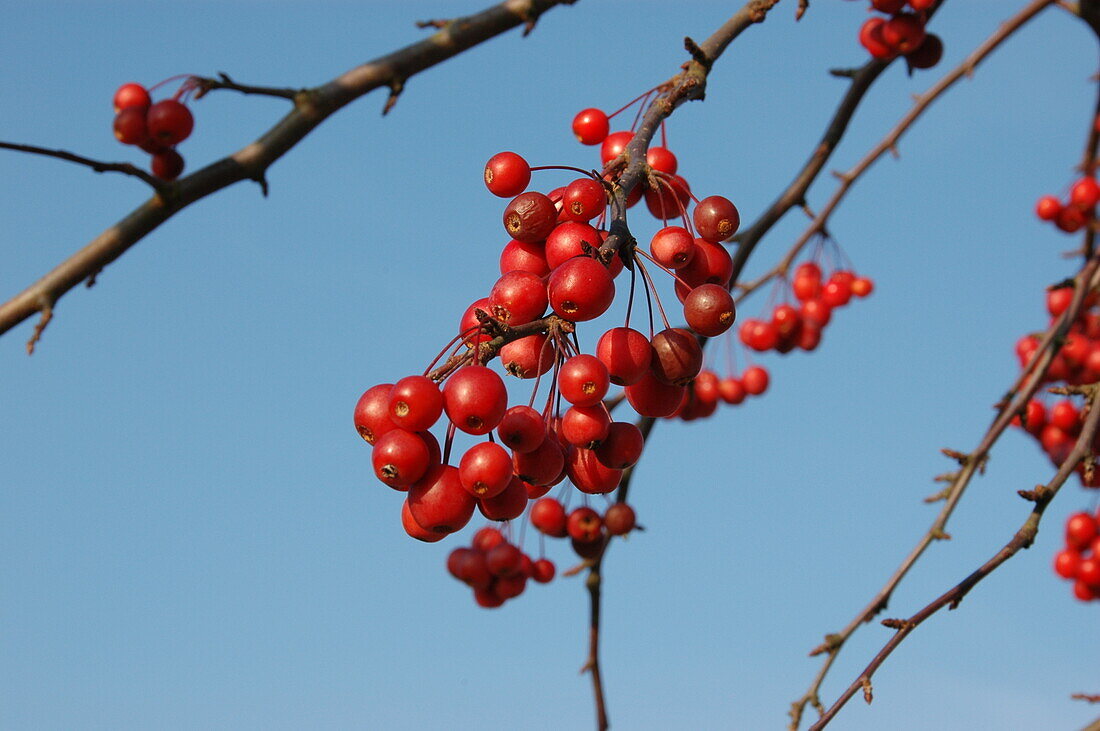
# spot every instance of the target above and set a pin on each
(898, 624)
(831, 644)
(397, 85)
(939, 534)
(867, 694)
(697, 54)
(46, 308)
(961, 457)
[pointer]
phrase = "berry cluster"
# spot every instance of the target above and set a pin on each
(1056, 426)
(902, 34)
(155, 128)
(793, 327)
(1077, 211)
(708, 389)
(555, 273)
(495, 569)
(1079, 561)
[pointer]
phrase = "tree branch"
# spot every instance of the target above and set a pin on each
(250, 163)
(100, 167)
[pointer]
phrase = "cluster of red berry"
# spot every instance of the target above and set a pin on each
(496, 569)
(708, 389)
(1077, 362)
(793, 327)
(155, 128)
(902, 34)
(1078, 209)
(553, 276)
(1079, 561)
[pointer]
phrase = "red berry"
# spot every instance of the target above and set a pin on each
(527, 256)
(622, 447)
(400, 458)
(585, 426)
(669, 199)
(1066, 563)
(626, 353)
(130, 127)
(416, 403)
(485, 538)
(507, 174)
(583, 200)
(517, 298)
(662, 160)
(731, 390)
(439, 503)
(709, 310)
(508, 505)
(475, 399)
(716, 218)
(528, 357)
(1048, 208)
(651, 397)
(755, 379)
(619, 519)
(1085, 194)
(567, 240)
(1081, 528)
(548, 516)
(584, 525)
(543, 571)
(530, 216)
(131, 95)
(414, 529)
(613, 145)
(372, 413)
(710, 264)
(673, 247)
(521, 429)
(888, 6)
(583, 380)
(862, 286)
(927, 54)
(1070, 219)
(166, 164)
(485, 470)
(504, 559)
(591, 126)
(581, 289)
(1058, 300)
(870, 37)
(169, 122)
(542, 465)
(904, 33)
(677, 356)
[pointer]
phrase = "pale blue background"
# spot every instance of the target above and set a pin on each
(189, 533)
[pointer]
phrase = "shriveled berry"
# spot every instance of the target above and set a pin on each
(530, 216)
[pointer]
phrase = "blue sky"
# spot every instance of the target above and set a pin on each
(190, 536)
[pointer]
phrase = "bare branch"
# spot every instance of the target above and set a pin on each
(100, 167)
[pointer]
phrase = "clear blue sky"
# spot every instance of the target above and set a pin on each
(190, 536)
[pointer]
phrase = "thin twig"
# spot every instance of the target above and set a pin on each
(1023, 538)
(206, 85)
(98, 166)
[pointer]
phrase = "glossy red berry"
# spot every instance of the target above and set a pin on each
(614, 144)
(416, 403)
(871, 38)
(1048, 208)
(166, 164)
(862, 286)
(626, 353)
(504, 559)
(485, 470)
(372, 413)
(584, 525)
(414, 529)
(400, 458)
(517, 298)
(475, 399)
(527, 256)
(716, 218)
(131, 95)
(530, 216)
(585, 426)
(169, 122)
(542, 465)
(569, 239)
(652, 397)
(709, 310)
(710, 264)
(583, 199)
(904, 33)
(755, 379)
(673, 247)
(543, 571)
(509, 504)
(670, 199)
(622, 447)
(583, 380)
(438, 502)
(591, 126)
(619, 519)
(507, 174)
(1066, 563)
(1085, 194)
(677, 356)
(662, 160)
(731, 390)
(1058, 300)
(528, 357)
(581, 289)
(1081, 528)
(548, 515)
(521, 429)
